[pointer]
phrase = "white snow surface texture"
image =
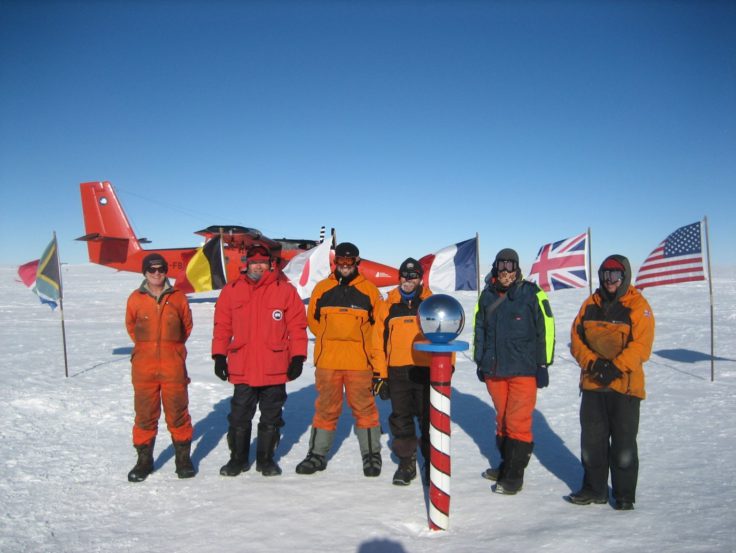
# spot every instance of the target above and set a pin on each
(65, 446)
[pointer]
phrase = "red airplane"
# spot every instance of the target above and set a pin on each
(112, 242)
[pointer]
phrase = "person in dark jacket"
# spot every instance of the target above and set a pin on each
(611, 338)
(403, 372)
(514, 344)
(259, 343)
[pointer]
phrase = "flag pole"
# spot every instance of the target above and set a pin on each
(590, 267)
(61, 306)
(477, 261)
(223, 261)
(710, 293)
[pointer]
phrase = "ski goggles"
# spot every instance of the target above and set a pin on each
(613, 276)
(158, 269)
(410, 275)
(505, 265)
(345, 261)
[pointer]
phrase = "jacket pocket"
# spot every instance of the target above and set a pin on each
(278, 353)
(606, 339)
(343, 324)
(172, 327)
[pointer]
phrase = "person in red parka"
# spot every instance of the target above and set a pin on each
(259, 343)
(159, 321)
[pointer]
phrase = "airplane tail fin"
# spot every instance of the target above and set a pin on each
(110, 239)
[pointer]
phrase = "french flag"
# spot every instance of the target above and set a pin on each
(452, 268)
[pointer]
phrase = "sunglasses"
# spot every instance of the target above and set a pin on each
(410, 275)
(613, 276)
(505, 265)
(345, 261)
(153, 270)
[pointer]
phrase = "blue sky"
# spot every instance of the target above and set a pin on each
(407, 126)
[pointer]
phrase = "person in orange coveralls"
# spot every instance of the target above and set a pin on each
(259, 343)
(611, 338)
(159, 321)
(340, 316)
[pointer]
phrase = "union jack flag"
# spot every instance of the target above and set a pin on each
(562, 264)
(678, 258)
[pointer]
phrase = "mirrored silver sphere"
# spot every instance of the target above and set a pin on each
(441, 318)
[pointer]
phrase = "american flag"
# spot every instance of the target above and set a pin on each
(562, 264)
(679, 258)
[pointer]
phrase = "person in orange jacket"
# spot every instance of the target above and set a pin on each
(341, 317)
(403, 370)
(259, 343)
(159, 321)
(611, 338)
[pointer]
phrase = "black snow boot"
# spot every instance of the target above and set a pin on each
(495, 473)
(268, 441)
(586, 496)
(239, 441)
(516, 459)
(144, 465)
(407, 471)
(183, 460)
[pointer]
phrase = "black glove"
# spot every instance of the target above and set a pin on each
(605, 372)
(380, 387)
(220, 366)
(295, 367)
(481, 374)
(542, 376)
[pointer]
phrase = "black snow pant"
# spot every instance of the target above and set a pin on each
(609, 423)
(409, 390)
(269, 399)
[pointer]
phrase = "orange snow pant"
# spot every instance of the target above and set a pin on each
(514, 399)
(148, 397)
(358, 386)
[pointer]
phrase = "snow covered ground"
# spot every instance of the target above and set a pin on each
(65, 447)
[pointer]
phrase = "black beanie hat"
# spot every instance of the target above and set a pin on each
(411, 265)
(507, 254)
(346, 249)
(154, 259)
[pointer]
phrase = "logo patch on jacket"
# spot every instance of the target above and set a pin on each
(277, 314)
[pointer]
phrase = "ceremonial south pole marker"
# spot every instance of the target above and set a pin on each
(442, 319)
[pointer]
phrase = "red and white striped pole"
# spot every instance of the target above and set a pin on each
(440, 376)
(441, 319)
